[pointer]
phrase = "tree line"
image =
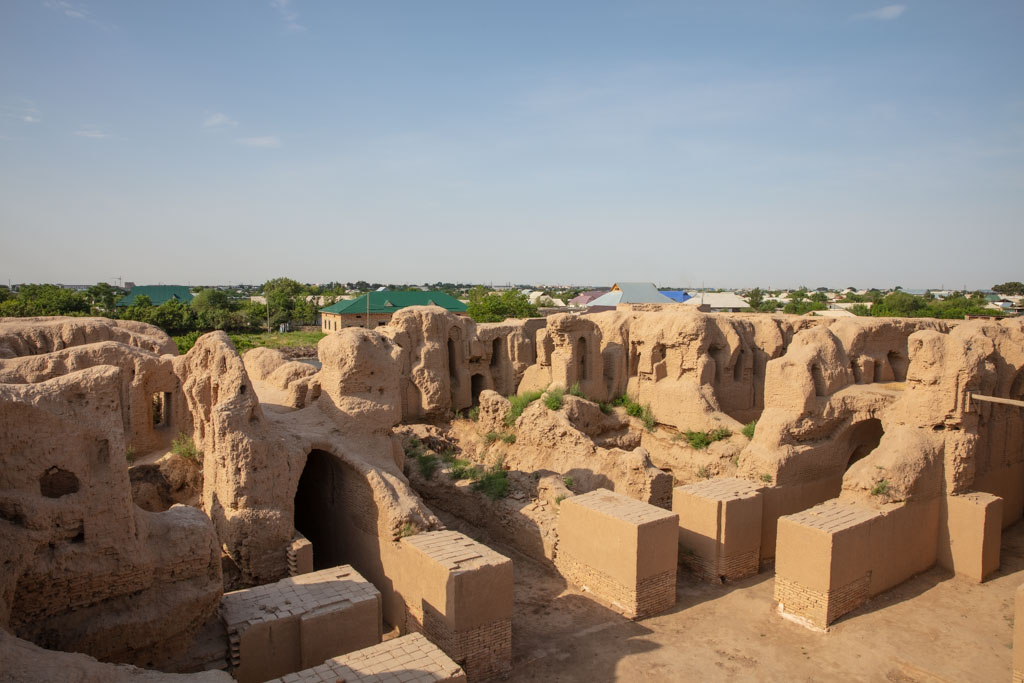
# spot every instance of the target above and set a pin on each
(287, 301)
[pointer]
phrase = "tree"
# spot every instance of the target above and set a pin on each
(755, 298)
(209, 300)
(485, 307)
(1009, 289)
(102, 296)
(173, 316)
(281, 296)
(45, 300)
(142, 309)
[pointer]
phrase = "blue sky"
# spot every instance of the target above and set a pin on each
(733, 143)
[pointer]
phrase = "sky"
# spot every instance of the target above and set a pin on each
(735, 144)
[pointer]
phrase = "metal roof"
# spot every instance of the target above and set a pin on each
(676, 295)
(637, 293)
(158, 294)
(389, 302)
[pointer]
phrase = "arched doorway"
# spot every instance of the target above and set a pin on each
(862, 438)
(318, 509)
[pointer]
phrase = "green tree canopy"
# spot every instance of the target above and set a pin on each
(755, 297)
(102, 296)
(485, 307)
(1009, 289)
(34, 300)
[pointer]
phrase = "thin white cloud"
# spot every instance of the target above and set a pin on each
(91, 131)
(887, 13)
(219, 120)
(291, 18)
(20, 109)
(75, 11)
(67, 9)
(266, 141)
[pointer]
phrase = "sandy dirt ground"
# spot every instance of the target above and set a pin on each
(932, 628)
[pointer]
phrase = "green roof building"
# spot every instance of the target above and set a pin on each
(158, 294)
(353, 313)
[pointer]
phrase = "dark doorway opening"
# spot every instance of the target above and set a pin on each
(318, 509)
(477, 384)
(863, 438)
(898, 362)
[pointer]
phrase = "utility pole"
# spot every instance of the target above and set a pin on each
(266, 300)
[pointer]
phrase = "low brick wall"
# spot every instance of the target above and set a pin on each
(833, 557)
(621, 550)
(299, 622)
(458, 593)
(719, 528)
(409, 658)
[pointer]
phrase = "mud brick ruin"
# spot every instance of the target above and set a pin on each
(302, 535)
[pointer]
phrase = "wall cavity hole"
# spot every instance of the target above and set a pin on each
(55, 483)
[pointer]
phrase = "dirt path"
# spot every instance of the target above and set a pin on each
(931, 628)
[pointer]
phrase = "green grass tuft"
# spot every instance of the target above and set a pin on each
(428, 465)
(766, 478)
(634, 409)
(701, 440)
(703, 472)
(575, 390)
(881, 488)
(719, 434)
(553, 399)
(698, 440)
(519, 403)
(493, 483)
(462, 469)
(184, 446)
(748, 429)
(474, 414)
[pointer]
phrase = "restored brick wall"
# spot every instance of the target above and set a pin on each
(719, 528)
(621, 550)
(409, 658)
(299, 622)
(458, 593)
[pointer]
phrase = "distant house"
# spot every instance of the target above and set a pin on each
(585, 298)
(719, 302)
(382, 305)
(629, 293)
(542, 299)
(158, 294)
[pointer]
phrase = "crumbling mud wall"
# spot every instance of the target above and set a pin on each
(827, 403)
(254, 460)
(916, 498)
(446, 360)
(84, 569)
